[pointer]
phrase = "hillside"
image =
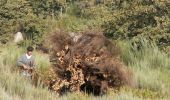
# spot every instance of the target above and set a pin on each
(140, 30)
(150, 67)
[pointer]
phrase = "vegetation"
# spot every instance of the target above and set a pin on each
(118, 19)
(141, 28)
(150, 67)
(135, 19)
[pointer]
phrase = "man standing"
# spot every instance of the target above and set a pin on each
(27, 63)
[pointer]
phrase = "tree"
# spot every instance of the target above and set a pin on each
(11, 13)
(47, 8)
(134, 19)
(23, 15)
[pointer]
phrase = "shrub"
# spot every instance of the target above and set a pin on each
(136, 19)
(88, 62)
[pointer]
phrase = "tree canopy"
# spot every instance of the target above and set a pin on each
(119, 19)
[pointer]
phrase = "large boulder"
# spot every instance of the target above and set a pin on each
(18, 37)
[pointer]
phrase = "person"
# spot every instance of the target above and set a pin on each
(27, 63)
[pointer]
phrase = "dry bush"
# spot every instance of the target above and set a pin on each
(89, 63)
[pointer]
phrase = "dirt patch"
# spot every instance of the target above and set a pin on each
(89, 63)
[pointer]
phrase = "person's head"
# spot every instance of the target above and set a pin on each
(30, 49)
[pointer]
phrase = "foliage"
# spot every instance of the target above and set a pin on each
(9, 16)
(20, 15)
(149, 63)
(47, 8)
(12, 85)
(153, 80)
(135, 19)
(127, 19)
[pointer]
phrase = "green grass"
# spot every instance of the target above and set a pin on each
(13, 85)
(151, 68)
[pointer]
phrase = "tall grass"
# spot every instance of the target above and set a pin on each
(151, 68)
(13, 85)
(149, 64)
